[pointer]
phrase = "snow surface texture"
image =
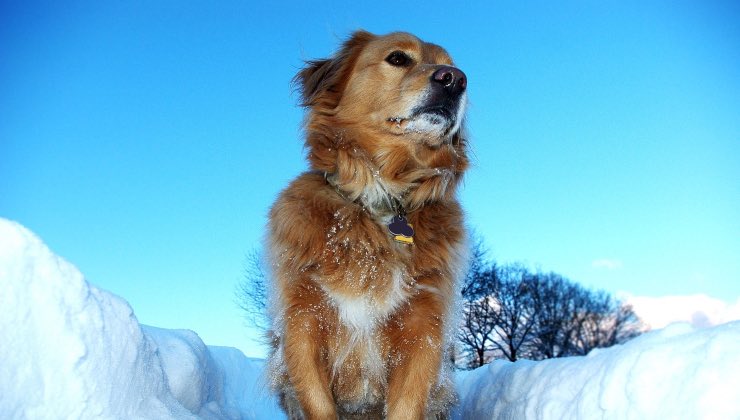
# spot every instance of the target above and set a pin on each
(71, 350)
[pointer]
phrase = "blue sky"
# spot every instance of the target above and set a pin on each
(145, 141)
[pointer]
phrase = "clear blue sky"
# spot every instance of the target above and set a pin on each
(145, 141)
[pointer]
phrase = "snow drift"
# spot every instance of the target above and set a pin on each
(675, 373)
(71, 350)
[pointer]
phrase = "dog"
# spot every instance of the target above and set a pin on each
(368, 248)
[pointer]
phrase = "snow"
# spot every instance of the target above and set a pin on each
(679, 372)
(72, 350)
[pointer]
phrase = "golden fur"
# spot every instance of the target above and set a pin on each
(362, 324)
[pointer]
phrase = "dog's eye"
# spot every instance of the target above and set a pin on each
(398, 59)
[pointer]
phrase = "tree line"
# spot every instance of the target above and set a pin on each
(512, 313)
(508, 312)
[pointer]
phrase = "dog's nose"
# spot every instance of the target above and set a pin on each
(451, 78)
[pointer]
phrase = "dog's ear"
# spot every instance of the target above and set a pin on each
(324, 80)
(317, 76)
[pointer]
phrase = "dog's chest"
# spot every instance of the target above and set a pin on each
(365, 275)
(363, 312)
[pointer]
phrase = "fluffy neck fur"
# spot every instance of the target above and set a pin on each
(381, 174)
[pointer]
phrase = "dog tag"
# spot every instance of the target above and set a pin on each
(401, 230)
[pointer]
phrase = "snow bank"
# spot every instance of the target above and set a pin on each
(71, 350)
(676, 373)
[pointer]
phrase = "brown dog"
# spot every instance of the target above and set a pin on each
(367, 248)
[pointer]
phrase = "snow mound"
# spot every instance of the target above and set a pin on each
(679, 372)
(71, 350)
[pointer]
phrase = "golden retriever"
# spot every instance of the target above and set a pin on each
(367, 248)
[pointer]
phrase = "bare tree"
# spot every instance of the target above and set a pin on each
(627, 325)
(514, 312)
(251, 292)
(476, 332)
(479, 319)
(602, 321)
(554, 300)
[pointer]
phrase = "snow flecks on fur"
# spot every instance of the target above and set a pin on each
(355, 289)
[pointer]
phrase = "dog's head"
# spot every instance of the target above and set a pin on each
(393, 104)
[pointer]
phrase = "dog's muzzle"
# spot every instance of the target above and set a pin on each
(442, 104)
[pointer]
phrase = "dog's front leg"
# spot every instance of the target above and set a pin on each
(303, 356)
(416, 338)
